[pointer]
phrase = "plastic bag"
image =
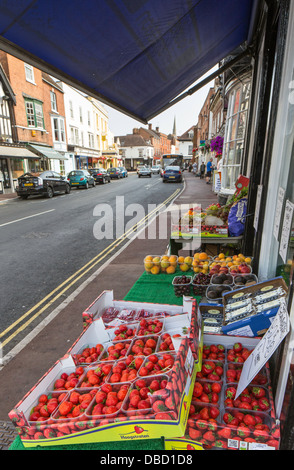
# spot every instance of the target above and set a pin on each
(236, 219)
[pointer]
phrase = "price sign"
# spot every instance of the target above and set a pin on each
(286, 230)
(265, 348)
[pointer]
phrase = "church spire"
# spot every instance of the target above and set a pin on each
(174, 127)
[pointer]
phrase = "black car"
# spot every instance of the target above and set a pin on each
(114, 173)
(46, 184)
(100, 175)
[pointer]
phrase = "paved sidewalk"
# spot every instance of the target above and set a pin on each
(24, 370)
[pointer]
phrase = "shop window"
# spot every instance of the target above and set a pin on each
(238, 102)
(17, 167)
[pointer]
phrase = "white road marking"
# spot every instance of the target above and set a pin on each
(28, 217)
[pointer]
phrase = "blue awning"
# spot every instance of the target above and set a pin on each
(134, 55)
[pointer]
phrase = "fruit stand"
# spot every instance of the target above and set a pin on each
(153, 372)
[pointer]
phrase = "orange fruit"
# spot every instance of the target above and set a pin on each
(181, 259)
(203, 256)
(155, 270)
(170, 270)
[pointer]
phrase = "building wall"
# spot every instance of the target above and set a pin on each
(15, 71)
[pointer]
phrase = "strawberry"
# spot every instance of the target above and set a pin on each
(225, 433)
(209, 436)
(258, 392)
(158, 406)
(243, 431)
(237, 347)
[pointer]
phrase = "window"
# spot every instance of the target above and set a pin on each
(29, 72)
(91, 140)
(58, 130)
(71, 109)
(89, 118)
(74, 136)
(34, 112)
(53, 101)
(238, 102)
(81, 114)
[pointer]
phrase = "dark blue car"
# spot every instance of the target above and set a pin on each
(172, 173)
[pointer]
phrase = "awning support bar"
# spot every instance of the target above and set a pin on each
(205, 81)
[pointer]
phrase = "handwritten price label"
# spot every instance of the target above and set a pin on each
(265, 348)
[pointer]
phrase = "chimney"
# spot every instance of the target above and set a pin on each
(150, 126)
(135, 131)
(157, 129)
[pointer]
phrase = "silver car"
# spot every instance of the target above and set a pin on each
(144, 171)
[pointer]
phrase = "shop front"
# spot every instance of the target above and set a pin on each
(15, 160)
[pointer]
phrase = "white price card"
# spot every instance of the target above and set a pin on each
(279, 206)
(287, 223)
(279, 328)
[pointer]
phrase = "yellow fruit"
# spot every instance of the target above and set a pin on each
(196, 270)
(195, 263)
(149, 258)
(170, 270)
(196, 256)
(181, 259)
(148, 265)
(184, 267)
(164, 257)
(221, 255)
(155, 270)
(164, 264)
(228, 259)
(173, 260)
(188, 260)
(247, 260)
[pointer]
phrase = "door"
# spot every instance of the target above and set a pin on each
(4, 174)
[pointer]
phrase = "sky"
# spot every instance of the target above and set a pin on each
(185, 112)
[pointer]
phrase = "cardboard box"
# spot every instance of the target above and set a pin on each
(125, 423)
(202, 433)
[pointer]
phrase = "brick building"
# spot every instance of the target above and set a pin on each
(38, 101)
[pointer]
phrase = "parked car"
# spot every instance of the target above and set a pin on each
(81, 178)
(114, 173)
(156, 169)
(100, 175)
(144, 171)
(124, 171)
(172, 173)
(46, 183)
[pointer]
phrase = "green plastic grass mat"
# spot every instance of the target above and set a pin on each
(156, 288)
(146, 444)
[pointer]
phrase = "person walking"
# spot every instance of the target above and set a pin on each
(208, 171)
(202, 170)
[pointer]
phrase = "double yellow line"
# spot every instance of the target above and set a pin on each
(74, 278)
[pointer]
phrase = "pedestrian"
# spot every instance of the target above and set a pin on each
(194, 168)
(208, 171)
(219, 166)
(202, 170)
